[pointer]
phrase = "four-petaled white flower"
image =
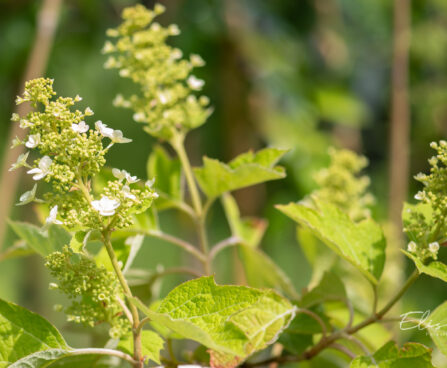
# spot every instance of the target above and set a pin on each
(433, 247)
(419, 196)
(82, 127)
(103, 130)
(21, 161)
(150, 183)
(117, 137)
(51, 219)
(195, 83)
(411, 247)
(33, 140)
(127, 193)
(106, 206)
(43, 169)
(28, 196)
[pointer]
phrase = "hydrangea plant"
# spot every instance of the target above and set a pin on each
(87, 203)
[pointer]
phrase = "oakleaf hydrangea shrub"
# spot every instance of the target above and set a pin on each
(265, 322)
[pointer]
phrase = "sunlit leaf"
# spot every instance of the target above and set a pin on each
(151, 345)
(361, 244)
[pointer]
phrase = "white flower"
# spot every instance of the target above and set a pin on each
(25, 123)
(103, 130)
(78, 98)
(433, 247)
(43, 169)
(88, 111)
(117, 137)
(33, 140)
(419, 196)
(106, 206)
(411, 247)
(164, 97)
(127, 193)
(195, 83)
(123, 174)
(82, 127)
(150, 183)
(51, 219)
(21, 161)
(28, 196)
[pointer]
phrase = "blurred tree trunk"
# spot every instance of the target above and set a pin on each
(400, 114)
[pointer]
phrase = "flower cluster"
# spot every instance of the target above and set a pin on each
(94, 291)
(342, 185)
(166, 103)
(427, 221)
(71, 156)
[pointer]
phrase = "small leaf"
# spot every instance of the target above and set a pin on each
(151, 344)
(254, 260)
(34, 237)
(167, 174)
(411, 355)
(23, 332)
(135, 243)
(249, 230)
(361, 243)
(216, 178)
(296, 343)
(434, 269)
(78, 241)
(330, 288)
(232, 321)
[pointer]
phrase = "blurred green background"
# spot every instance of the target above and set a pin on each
(303, 75)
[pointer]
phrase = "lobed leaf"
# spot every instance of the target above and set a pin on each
(362, 243)
(232, 321)
(437, 327)
(216, 178)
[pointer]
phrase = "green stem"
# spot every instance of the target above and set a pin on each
(135, 317)
(178, 145)
(109, 352)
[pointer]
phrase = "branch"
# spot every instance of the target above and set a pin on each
(233, 240)
(111, 352)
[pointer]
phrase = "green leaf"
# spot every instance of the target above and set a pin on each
(295, 343)
(151, 344)
(167, 174)
(361, 243)
(23, 332)
(78, 241)
(437, 327)
(135, 243)
(41, 359)
(330, 288)
(434, 269)
(271, 276)
(42, 242)
(18, 249)
(232, 321)
(249, 230)
(122, 251)
(420, 208)
(216, 178)
(411, 355)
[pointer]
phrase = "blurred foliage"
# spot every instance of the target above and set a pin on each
(294, 74)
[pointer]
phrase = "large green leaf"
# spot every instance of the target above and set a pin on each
(361, 244)
(167, 174)
(434, 268)
(216, 178)
(437, 327)
(151, 344)
(411, 355)
(232, 321)
(23, 332)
